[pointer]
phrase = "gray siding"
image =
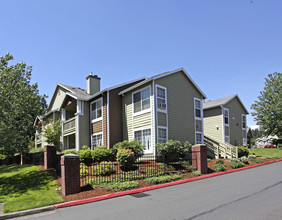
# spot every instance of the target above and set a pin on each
(84, 126)
(180, 105)
(59, 96)
(235, 121)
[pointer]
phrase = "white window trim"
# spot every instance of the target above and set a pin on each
(142, 129)
(95, 134)
(162, 87)
(225, 125)
(162, 127)
(199, 119)
(224, 116)
(244, 130)
(100, 118)
(198, 132)
(142, 111)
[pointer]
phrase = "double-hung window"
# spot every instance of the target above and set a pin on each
(162, 135)
(161, 98)
(244, 129)
(141, 100)
(226, 125)
(226, 116)
(198, 113)
(96, 110)
(244, 124)
(145, 137)
(97, 140)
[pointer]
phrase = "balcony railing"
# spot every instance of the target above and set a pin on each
(69, 125)
(38, 138)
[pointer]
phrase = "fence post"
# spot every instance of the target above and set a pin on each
(199, 158)
(70, 173)
(49, 156)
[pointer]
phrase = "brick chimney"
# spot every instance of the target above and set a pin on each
(92, 84)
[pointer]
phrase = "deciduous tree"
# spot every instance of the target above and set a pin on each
(268, 107)
(20, 103)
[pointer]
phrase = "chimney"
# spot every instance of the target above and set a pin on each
(92, 84)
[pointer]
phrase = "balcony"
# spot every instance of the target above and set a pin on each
(69, 126)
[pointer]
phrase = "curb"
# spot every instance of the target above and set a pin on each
(129, 192)
(27, 212)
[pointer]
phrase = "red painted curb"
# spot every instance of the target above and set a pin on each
(129, 192)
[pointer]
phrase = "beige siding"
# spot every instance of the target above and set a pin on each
(131, 122)
(235, 121)
(162, 119)
(213, 123)
(84, 137)
(59, 96)
(143, 120)
(180, 104)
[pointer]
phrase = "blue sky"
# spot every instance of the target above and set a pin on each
(228, 47)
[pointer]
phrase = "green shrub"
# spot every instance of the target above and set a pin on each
(121, 186)
(236, 163)
(243, 151)
(2, 157)
(100, 154)
(219, 167)
(69, 152)
(126, 157)
(280, 146)
(172, 150)
(83, 170)
(86, 156)
(104, 168)
(252, 158)
(36, 150)
(162, 179)
(135, 146)
(244, 159)
(219, 162)
(196, 173)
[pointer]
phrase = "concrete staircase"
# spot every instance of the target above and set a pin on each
(218, 149)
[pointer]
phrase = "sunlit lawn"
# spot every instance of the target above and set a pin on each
(26, 187)
(267, 152)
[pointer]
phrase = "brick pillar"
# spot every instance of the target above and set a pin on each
(49, 156)
(70, 173)
(199, 158)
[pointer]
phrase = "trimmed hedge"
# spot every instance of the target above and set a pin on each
(243, 151)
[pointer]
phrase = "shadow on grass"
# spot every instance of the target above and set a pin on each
(20, 183)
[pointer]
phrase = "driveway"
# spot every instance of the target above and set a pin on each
(249, 194)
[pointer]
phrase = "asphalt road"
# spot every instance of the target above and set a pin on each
(250, 194)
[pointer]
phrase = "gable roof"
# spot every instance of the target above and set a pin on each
(222, 101)
(163, 75)
(81, 94)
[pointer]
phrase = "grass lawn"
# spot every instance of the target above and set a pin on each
(26, 187)
(267, 152)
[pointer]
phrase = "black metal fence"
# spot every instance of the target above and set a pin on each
(104, 172)
(29, 158)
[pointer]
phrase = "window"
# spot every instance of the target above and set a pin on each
(198, 108)
(198, 112)
(141, 100)
(227, 139)
(162, 135)
(198, 138)
(244, 124)
(145, 137)
(161, 98)
(96, 110)
(97, 140)
(226, 116)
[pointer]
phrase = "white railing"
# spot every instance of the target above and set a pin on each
(219, 148)
(69, 125)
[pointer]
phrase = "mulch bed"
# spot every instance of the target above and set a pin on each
(89, 191)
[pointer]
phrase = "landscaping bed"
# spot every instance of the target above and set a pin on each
(89, 191)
